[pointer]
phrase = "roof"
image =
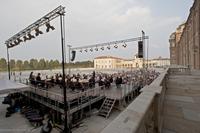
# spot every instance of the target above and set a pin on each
(160, 58)
(108, 57)
(7, 86)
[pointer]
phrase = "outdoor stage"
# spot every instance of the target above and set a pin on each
(53, 97)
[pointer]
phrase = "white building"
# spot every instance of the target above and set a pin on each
(110, 62)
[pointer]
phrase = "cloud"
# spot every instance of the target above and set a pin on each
(88, 22)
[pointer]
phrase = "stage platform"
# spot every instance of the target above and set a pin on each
(8, 86)
(53, 97)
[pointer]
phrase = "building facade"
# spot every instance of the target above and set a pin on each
(174, 40)
(159, 62)
(185, 48)
(107, 62)
(110, 62)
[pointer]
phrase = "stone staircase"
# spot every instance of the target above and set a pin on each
(106, 107)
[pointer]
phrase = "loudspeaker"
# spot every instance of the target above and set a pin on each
(73, 55)
(140, 49)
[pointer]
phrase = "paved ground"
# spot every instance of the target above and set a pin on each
(17, 123)
(95, 123)
(182, 104)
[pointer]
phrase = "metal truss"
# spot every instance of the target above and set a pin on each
(110, 43)
(47, 18)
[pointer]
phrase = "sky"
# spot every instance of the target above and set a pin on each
(90, 22)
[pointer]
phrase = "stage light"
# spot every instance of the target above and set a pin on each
(108, 47)
(25, 38)
(38, 32)
(124, 45)
(91, 49)
(16, 42)
(49, 27)
(115, 46)
(30, 36)
(96, 49)
(102, 48)
(11, 45)
(81, 51)
(19, 40)
(86, 50)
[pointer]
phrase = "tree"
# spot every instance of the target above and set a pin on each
(51, 64)
(19, 65)
(3, 64)
(12, 64)
(26, 65)
(47, 64)
(33, 64)
(56, 64)
(41, 64)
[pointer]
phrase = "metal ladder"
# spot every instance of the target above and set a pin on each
(106, 107)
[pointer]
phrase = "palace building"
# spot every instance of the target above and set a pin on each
(185, 42)
(110, 62)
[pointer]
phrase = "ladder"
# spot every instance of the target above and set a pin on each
(106, 107)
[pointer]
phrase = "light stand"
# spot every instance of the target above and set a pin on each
(143, 41)
(66, 125)
(8, 60)
(59, 11)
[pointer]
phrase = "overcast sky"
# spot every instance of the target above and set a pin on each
(93, 21)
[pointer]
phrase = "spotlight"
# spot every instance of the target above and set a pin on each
(49, 27)
(115, 46)
(25, 38)
(124, 45)
(102, 48)
(86, 50)
(96, 49)
(108, 47)
(91, 49)
(10, 45)
(16, 42)
(19, 40)
(38, 32)
(30, 36)
(81, 50)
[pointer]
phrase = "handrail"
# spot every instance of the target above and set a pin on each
(59, 97)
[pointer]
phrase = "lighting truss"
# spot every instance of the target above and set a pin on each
(42, 21)
(109, 44)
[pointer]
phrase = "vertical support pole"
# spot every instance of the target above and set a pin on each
(66, 126)
(8, 60)
(143, 41)
(147, 53)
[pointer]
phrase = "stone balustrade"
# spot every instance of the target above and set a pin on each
(179, 70)
(145, 113)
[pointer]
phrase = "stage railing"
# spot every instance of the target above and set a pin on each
(59, 97)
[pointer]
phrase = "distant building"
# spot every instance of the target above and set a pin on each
(159, 62)
(107, 62)
(185, 42)
(110, 62)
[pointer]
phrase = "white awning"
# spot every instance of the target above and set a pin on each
(7, 86)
